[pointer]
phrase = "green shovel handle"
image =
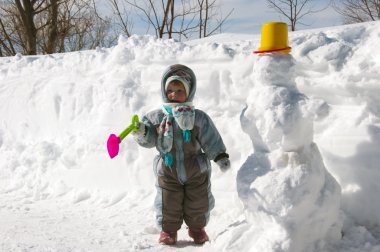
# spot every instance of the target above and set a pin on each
(134, 126)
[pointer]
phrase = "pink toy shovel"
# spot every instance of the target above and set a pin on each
(114, 141)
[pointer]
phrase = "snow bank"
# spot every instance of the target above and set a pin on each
(343, 68)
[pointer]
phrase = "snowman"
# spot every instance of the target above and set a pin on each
(291, 202)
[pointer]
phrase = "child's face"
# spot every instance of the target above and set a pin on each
(176, 92)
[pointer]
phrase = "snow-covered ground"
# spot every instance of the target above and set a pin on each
(60, 191)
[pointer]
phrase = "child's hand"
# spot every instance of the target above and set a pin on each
(140, 133)
(224, 164)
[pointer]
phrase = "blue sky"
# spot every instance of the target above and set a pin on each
(249, 15)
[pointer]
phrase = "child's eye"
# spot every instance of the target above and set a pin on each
(179, 91)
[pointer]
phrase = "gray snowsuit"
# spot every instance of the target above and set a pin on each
(184, 190)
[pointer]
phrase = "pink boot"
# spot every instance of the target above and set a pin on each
(168, 238)
(199, 235)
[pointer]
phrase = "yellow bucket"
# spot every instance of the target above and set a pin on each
(274, 38)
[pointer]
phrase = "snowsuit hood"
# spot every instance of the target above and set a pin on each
(183, 72)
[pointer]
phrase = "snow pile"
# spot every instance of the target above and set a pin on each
(343, 68)
(58, 184)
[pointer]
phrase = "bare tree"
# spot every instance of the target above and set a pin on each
(356, 11)
(48, 26)
(27, 10)
(12, 34)
(210, 13)
(293, 10)
(6, 42)
(181, 17)
(156, 15)
(81, 26)
(122, 16)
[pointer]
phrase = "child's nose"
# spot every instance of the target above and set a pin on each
(172, 95)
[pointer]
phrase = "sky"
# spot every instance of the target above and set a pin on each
(249, 15)
(302, 132)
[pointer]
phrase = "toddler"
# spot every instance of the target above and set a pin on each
(186, 140)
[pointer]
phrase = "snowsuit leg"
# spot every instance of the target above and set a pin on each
(196, 201)
(190, 202)
(172, 194)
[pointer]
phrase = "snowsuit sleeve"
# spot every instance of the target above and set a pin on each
(208, 136)
(151, 122)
